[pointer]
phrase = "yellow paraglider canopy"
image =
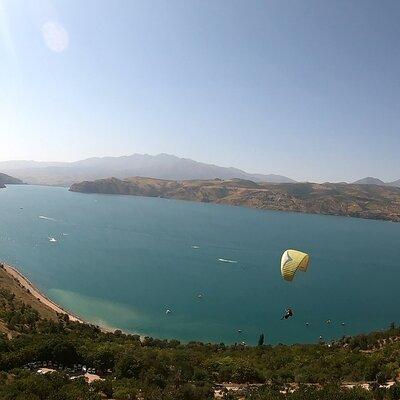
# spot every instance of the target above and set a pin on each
(291, 261)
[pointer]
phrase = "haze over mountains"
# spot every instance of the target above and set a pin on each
(161, 166)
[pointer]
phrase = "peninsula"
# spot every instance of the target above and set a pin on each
(352, 200)
(8, 180)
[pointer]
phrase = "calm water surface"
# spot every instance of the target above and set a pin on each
(123, 261)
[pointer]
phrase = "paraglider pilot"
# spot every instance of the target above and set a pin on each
(288, 313)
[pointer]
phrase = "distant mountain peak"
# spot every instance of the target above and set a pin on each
(370, 180)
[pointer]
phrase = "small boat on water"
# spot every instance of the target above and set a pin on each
(52, 240)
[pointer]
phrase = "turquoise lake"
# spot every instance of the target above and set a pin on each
(122, 261)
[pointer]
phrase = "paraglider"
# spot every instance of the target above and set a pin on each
(291, 261)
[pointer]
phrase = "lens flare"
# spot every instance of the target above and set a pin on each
(55, 36)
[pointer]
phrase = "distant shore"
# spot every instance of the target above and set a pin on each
(346, 200)
(28, 285)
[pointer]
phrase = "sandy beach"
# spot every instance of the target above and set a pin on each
(27, 284)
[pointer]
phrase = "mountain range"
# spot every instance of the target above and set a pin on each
(161, 166)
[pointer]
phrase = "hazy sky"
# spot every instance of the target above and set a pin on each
(308, 89)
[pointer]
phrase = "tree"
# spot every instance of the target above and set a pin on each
(129, 365)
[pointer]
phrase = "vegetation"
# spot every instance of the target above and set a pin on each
(363, 201)
(163, 369)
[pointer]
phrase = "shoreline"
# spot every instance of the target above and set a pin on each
(34, 291)
(39, 295)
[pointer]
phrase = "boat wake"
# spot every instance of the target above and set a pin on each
(227, 261)
(47, 218)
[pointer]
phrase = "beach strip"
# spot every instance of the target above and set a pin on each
(28, 285)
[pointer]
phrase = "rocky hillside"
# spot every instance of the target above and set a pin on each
(363, 201)
(8, 180)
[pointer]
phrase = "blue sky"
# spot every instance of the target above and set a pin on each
(308, 89)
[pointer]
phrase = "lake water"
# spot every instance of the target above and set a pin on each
(122, 261)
